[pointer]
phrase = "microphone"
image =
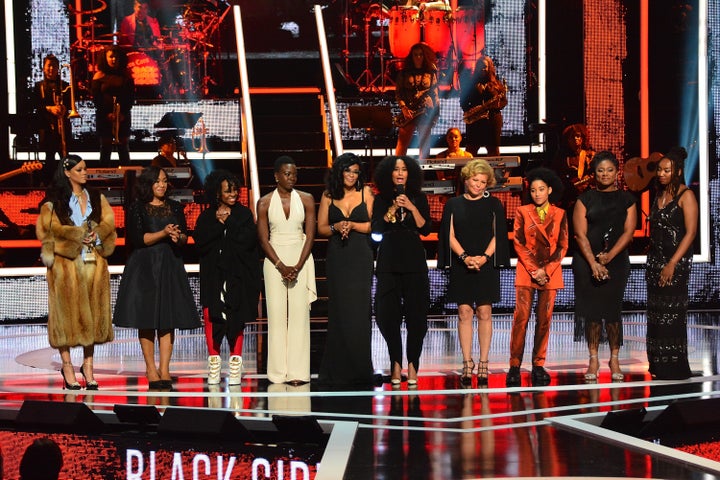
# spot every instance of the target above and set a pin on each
(400, 190)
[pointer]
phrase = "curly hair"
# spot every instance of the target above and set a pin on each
(605, 155)
(383, 176)
(122, 60)
(144, 183)
(479, 166)
(335, 184)
(213, 185)
(550, 178)
(569, 135)
(677, 156)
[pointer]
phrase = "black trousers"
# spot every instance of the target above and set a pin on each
(401, 295)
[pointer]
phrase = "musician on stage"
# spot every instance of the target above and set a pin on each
(453, 137)
(572, 163)
(482, 97)
(417, 96)
(428, 5)
(139, 29)
(51, 97)
(113, 92)
(166, 153)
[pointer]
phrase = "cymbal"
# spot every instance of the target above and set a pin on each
(108, 35)
(88, 7)
(89, 25)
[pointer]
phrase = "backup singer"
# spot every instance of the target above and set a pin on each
(573, 163)
(673, 226)
(286, 232)
(77, 229)
(113, 94)
(401, 214)
(226, 239)
(51, 96)
(480, 89)
(417, 97)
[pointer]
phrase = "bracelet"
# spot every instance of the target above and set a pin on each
(487, 257)
(278, 263)
(463, 256)
(332, 228)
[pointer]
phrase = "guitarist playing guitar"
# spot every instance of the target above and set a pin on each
(573, 163)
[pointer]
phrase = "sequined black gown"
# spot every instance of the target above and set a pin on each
(667, 306)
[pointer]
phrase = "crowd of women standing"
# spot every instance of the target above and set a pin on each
(76, 227)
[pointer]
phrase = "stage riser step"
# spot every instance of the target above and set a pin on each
(285, 104)
(306, 174)
(290, 141)
(288, 123)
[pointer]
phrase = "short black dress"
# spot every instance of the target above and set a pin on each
(475, 223)
(154, 291)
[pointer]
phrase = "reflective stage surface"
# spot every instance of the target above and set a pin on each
(438, 430)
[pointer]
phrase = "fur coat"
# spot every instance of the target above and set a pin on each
(78, 292)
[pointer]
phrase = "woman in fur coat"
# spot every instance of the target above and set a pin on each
(77, 229)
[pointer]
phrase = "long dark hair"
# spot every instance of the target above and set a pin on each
(429, 64)
(383, 176)
(60, 191)
(213, 185)
(144, 183)
(335, 185)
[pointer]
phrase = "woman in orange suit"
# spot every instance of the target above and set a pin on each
(541, 240)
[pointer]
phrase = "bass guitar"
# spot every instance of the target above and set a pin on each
(638, 172)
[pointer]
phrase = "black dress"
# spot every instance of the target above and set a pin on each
(667, 306)
(601, 301)
(475, 223)
(154, 291)
(347, 358)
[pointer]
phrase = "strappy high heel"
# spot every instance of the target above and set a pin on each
(68, 386)
(483, 373)
(617, 375)
(89, 384)
(467, 371)
(592, 376)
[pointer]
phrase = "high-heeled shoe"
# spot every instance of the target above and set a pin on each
(89, 384)
(483, 373)
(617, 375)
(589, 375)
(66, 385)
(395, 374)
(467, 372)
(412, 376)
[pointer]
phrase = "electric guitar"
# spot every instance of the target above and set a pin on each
(638, 172)
(27, 167)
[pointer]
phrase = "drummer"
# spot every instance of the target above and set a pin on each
(139, 29)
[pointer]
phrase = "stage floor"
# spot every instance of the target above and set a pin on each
(438, 430)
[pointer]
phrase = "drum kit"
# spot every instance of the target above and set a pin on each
(453, 34)
(166, 69)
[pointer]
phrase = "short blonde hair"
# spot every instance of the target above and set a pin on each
(477, 166)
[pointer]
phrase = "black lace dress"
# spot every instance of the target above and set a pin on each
(154, 291)
(667, 306)
(347, 357)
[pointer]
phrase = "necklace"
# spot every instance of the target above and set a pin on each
(80, 195)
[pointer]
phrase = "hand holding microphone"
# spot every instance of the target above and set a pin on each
(400, 190)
